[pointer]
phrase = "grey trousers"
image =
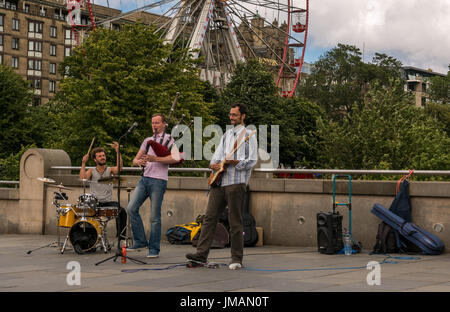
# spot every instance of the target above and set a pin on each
(220, 197)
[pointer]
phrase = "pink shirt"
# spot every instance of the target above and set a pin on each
(155, 169)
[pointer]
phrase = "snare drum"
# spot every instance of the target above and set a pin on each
(67, 215)
(87, 203)
(107, 212)
(84, 235)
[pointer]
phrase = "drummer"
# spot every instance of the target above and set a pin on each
(103, 192)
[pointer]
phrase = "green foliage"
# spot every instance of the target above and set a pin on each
(439, 89)
(10, 165)
(340, 79)
(15, 98)
(441, 112)
(253, 85)
(386, 133)
(118, 77)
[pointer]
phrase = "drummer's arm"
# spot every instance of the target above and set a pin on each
(85, 174)
(115, 170)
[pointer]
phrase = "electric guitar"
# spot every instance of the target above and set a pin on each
(216, 175)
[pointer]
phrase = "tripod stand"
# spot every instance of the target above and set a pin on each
(118, 249)
(126, 230)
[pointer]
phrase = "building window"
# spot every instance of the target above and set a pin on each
(36, 84)
(52, 69)
(2, 17)
(15, 24)
(26, 8)
(35, 29)
(51, 86)
(67, 51)
(1, 59)
(36, 101)
(15, 62)
(68, 34)
(43, 11)
(1, 41)
(53, 50)
(15, 43)
(35, 65)
(35, 46)
(53, 31)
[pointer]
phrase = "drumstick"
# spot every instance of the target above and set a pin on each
(92, 142)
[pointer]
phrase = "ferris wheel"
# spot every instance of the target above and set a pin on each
(225, 32)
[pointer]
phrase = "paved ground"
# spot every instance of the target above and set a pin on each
(267, 269)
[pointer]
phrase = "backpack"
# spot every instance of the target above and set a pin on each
(182, 234)
(387, 240)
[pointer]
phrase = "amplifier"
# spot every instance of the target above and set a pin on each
(329, 232)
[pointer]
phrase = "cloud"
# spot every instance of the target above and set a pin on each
(415, 32)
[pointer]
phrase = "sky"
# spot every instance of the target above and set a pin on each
(415, 32)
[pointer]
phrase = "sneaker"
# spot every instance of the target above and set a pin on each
(235, 266)
(152, 255)
(195, 257)
(136, 247)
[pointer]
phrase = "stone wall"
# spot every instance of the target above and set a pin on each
(285, 208)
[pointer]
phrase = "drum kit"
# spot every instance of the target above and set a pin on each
(86, 221)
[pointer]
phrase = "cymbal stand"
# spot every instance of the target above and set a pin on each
(128, 239)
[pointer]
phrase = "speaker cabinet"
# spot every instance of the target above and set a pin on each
(329, 232)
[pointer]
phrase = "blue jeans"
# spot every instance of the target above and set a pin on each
(153, 189)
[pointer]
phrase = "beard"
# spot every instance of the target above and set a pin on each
(101, 162)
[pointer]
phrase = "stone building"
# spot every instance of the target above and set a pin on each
(35, 37)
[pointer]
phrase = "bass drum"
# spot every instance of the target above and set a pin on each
(84, 235)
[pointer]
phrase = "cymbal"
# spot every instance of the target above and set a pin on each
(113, 179)
(60, 186)
(46, 180)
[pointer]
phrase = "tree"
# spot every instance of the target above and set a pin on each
(116, 78)
(386, 133)
(252, 85)
(340, 79)
(15, 100)
(439, 89)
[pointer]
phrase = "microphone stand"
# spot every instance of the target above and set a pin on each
(118, 249)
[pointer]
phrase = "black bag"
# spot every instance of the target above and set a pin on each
(387, 240)
(401, 205)
(249, 224)
(220, 240)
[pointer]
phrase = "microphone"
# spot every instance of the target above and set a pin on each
(135, 124)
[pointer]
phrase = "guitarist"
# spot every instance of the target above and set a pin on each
(230, 187)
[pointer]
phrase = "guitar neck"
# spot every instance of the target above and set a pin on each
(237, 146)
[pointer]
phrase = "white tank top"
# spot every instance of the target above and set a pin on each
(102, 191)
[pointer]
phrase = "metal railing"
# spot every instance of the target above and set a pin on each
(273, 171)
(269, 170)
(15, 183)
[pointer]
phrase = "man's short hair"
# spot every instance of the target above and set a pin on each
(242, 108)
(97, 150)
(163, 118)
